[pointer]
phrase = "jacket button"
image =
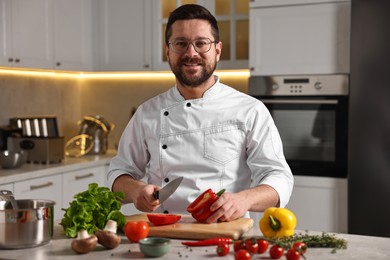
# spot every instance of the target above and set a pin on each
(166, 211)
(166, 113)
(164, 146)
(188, 104)
(166, 180)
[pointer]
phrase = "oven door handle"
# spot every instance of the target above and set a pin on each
(300, 101)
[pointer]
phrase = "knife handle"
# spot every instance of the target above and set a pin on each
(156, 194)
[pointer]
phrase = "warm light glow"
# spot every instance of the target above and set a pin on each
(113, 75)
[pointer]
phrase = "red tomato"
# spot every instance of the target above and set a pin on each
(293, 254)
(262, 246)
(163, 219)
(251, 246)
(136, 230)
(242, 254)
(239, 244)
(223, 249)
(300, 246)
(276, 252)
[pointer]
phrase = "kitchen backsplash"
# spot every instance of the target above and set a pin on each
(70, 98)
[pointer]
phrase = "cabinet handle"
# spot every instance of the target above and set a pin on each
(40, 186)
(79, 177)
(10, 60)
(17, 60)
(58, 64)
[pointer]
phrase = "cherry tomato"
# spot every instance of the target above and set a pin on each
(163, 219)
(136, 230)
(262, 246)
(300, 246)
(242, 254)
(239, 244)
(293, 254)
(276, 251)
(223, 249)
(251, 246)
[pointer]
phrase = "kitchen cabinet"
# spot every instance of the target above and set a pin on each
(233, 23)
(26, 33)
(47, 34)
(77, 181)
(48, 187)
(125, 35)
(9, 187)
(299, 37)
(319, 203)
(73, 35)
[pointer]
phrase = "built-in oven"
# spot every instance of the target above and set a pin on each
(311, 114)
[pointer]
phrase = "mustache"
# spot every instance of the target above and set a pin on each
(191, 60)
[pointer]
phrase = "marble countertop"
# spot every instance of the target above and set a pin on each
(359, 247)
(33, 170)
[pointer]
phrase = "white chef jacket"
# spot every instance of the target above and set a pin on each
(223, 140)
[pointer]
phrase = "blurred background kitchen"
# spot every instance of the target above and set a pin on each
(108, 59)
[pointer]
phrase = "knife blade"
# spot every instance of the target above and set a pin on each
(168, 190)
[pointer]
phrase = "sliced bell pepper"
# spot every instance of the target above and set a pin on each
(200, 207)
(163, 219)
(278, 222)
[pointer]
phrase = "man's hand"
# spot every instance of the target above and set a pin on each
(228, 207)
(143, 198)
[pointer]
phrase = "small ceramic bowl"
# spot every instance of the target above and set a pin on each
(154, 246)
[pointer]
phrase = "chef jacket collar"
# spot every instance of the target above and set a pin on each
(211, 91)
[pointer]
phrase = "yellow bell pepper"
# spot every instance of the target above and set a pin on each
(278, 222)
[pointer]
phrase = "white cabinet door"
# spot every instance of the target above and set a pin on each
(125, 35)
(77, 181)
(48, 188)
(300, 39)
(9, 186)
(5, 33)
(73, 34)
(31, 33)
(320, 204)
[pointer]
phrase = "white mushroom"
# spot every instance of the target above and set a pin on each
(108, 237)
(84, 242)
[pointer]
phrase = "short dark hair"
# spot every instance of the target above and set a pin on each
(188, 12)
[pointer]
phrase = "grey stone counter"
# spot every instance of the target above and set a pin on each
(359, 247)
(33, 170)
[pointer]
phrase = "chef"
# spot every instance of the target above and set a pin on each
(202, 130)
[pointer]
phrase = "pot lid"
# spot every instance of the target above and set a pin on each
(79, 145)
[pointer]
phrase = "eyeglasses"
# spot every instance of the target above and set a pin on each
(180, 46)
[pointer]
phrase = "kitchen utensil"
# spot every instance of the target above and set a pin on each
(12, 159)
(79, 145)
(98, 128)
(7, 196)
(154, 246)
(189, 228)
(168, 190)
(30, 225)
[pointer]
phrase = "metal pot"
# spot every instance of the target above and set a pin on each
(30, 225)
(98, 128)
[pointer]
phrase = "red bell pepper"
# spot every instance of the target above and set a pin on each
(200, 207)
(163, 219)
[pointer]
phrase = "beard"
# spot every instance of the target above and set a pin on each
(194, 79)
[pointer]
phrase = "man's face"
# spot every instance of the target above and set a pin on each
(192, 68)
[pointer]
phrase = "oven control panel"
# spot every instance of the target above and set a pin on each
(299, 85)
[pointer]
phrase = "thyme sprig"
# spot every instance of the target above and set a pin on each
(324, 240)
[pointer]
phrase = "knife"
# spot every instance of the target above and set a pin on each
(167, 191)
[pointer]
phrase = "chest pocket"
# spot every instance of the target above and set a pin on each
(223, 143)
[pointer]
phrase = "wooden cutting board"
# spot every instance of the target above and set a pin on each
(189, 228)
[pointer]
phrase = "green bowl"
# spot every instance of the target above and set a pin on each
(154, 246)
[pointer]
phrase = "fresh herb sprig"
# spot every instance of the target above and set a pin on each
(91, 209)
(324, 240)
